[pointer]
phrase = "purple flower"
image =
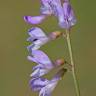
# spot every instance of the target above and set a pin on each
(44, 86)
(65, 13)
(44, 64)
(39, 38)
(69, 18)
(45, 11)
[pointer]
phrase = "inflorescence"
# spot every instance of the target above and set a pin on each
(66, 19)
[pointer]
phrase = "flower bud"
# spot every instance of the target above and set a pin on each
(55, 35)
(60, 62)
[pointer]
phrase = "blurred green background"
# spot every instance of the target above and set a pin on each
(14, 66)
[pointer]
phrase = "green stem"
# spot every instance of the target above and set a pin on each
(72, 63)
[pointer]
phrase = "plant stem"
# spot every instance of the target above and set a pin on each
(72, 63)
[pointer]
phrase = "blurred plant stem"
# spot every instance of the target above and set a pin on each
(72, 62)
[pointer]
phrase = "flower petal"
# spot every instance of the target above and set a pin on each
(46, 91)
(56, 7)
(39, 72)
(42, 58)
(30, 39)
(57, 10)
(34, 19)
(37, 37)
(37, 83)
(35, 45)
(32, 59)
(38, 66)
(36, 32)
(45, 7)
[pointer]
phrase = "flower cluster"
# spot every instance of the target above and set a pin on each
(63, 12)
(66, 19)
(44, 64)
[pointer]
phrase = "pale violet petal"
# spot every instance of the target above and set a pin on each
(39, 72)
(37, 32)
(45, 7)
(35, 45)
(56, 7)
(37, 83)
(32, 59)
(34, 19)
(41, 57)
(69, 16)
(31, 39)
(38, 66)
(47, 90)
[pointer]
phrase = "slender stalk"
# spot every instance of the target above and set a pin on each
(72, 63)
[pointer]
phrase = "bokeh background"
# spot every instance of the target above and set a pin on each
(14, 66)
